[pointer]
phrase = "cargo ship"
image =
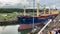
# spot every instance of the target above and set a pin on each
(26, 22)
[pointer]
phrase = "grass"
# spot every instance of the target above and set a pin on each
(8, 15)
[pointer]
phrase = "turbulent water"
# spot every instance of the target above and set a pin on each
(11, 29)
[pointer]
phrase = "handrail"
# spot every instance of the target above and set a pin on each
(44, 26)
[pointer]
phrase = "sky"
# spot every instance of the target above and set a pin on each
(29, 3)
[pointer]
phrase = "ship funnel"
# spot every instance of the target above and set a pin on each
(44, 9)
(24, 10)
(37, 9)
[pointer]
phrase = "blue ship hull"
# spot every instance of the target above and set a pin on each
(29, 19)
(26, 22)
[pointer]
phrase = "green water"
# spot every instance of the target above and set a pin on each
(25, 31)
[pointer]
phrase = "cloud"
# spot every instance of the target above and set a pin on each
(9, 1)
(6, 3)
(14, 3)
(28, 3)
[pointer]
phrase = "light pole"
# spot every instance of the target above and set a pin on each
(33, 12)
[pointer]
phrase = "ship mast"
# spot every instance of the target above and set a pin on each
(24, 11)
(49, 11)
(44, 9)
(38, 9)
